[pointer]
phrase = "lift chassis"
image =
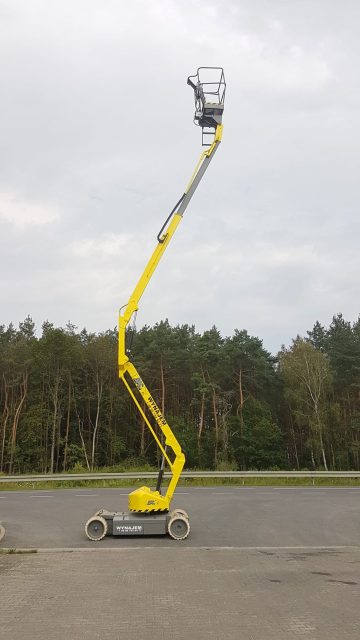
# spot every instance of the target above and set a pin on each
(149, 510)
(125, 523)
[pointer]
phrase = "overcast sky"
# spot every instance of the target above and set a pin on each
(97, 143)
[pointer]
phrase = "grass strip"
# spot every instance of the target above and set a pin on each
(184, 482)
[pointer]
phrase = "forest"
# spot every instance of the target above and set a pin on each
(231, 404)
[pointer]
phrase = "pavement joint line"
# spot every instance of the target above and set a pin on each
(268, 493)
(26, 493)
(35, 551)
(303, 487)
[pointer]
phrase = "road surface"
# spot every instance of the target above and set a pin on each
(219, 516)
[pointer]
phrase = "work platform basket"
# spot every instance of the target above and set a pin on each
(209, 93)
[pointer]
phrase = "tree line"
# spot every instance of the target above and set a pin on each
(231, 404)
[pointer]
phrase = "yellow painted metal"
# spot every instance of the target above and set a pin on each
(133, 303)
(144, 499)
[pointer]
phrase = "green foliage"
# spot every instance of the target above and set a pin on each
(263, 441)
(226, 465)
(231, 404)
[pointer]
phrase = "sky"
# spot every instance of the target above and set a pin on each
(97, 143)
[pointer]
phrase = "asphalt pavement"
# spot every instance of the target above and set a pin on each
(240, 517)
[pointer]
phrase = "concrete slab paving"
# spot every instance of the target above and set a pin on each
(182, 592)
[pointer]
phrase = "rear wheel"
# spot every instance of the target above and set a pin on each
(178, 527)
(96, 528)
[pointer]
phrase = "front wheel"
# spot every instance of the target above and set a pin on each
(96, 528)
(178, 527)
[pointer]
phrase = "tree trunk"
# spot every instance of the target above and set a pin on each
(225, 430)
(312, 457)
(67, 424)
(55, 421)
(333, 457)
(5, 417)
(294, 441)
(323, 452)
(216, 426)
(240, 407)
(99, 391)
(201, 421)
(81, 427)
(23, 392)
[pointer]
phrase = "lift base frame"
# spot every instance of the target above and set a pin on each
(127, 523)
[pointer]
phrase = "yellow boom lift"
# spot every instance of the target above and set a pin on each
(149, 510)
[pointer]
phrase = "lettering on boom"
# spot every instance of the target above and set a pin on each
(156, 411)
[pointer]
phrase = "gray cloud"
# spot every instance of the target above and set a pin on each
(97, 143)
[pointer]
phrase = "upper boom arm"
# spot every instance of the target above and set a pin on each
(167, 233)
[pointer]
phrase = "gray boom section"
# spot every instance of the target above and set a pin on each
(195, 183)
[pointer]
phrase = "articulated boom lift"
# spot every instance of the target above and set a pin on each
(149, 510)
